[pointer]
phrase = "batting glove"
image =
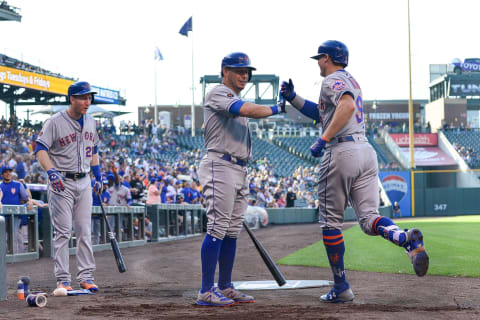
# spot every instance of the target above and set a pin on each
(317, 149)
(286, 90)
(56, 180)
(97, 186)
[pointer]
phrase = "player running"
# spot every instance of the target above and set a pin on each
(67, 150)
(349, 168)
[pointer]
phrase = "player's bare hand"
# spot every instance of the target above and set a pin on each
(317, 149)
(286, 90)
(56, 180)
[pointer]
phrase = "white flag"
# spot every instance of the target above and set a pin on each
(158, 54)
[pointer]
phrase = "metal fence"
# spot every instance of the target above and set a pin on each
(22, 238)
(175, 221)
(130, 224)
(3, 263)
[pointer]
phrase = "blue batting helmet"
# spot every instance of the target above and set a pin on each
(335, 49)
(237, 60)
(79, 88)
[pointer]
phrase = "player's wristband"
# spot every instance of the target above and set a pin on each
(325, 139)
(274, 110)
(96, 172)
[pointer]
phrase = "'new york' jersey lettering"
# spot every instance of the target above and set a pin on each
(69, 146)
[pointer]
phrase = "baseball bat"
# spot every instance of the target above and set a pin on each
(113, 241)
(272, 267)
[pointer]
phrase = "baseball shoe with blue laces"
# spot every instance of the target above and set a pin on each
(416, 251)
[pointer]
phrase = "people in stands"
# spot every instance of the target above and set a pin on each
(153, 192)
(291, 197)
(13, 193)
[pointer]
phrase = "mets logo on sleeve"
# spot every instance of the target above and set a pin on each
(338, 85)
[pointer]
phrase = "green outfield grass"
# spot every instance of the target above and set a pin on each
(453, 244)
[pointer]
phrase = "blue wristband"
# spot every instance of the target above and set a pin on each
(274, 110)
(96, 172)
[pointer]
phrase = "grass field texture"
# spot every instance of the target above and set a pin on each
(453, 244)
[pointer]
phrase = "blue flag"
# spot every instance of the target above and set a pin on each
(186, 27)
(158, 54)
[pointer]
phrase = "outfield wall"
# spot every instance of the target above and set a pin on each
(308, 215)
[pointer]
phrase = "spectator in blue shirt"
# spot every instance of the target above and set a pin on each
(13, 193)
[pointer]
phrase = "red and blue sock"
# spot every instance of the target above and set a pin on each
(333, 241)
(210, 252)
(389, 230)
(225, 262)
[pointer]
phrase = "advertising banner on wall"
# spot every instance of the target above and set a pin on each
(106, 95)
(32, 80)
(429, 157)
(397, 187)
(419, 139)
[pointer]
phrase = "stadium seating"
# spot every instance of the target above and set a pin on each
(466, 139)
(282, 160)
(381, 156)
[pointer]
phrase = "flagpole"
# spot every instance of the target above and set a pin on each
(155, 109)
(193, 92)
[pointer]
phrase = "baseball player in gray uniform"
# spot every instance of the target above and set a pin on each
(349, 167)
(223, 175)
(67, 150)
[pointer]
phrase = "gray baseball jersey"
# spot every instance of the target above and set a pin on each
(70, 148)
(225, 186)
(349, 168)
(225, 132)
(334, 86)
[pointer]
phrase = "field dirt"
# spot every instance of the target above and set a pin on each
(163, 280)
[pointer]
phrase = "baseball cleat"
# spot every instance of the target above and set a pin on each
(236, 295)
(416, 251)
(64, 284)
(339, 295)
(89, 285)
(213, 298)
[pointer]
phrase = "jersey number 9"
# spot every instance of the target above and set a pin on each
(359, 113)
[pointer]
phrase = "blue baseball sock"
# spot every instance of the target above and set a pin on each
(333, 241)
(210, 252)
(226, 261)
(389, 230)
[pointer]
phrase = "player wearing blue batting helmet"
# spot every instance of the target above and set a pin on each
(80, 88)
(337, 51)
(237, 60)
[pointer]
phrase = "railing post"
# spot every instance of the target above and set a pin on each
(3, 262)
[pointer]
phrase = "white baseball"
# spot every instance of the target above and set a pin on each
(60, 292)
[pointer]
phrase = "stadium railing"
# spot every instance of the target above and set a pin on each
(3, 262)
(174, 221)
(19, 247)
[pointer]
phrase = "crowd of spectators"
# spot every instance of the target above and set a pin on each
(468, 154)
(155, 169)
